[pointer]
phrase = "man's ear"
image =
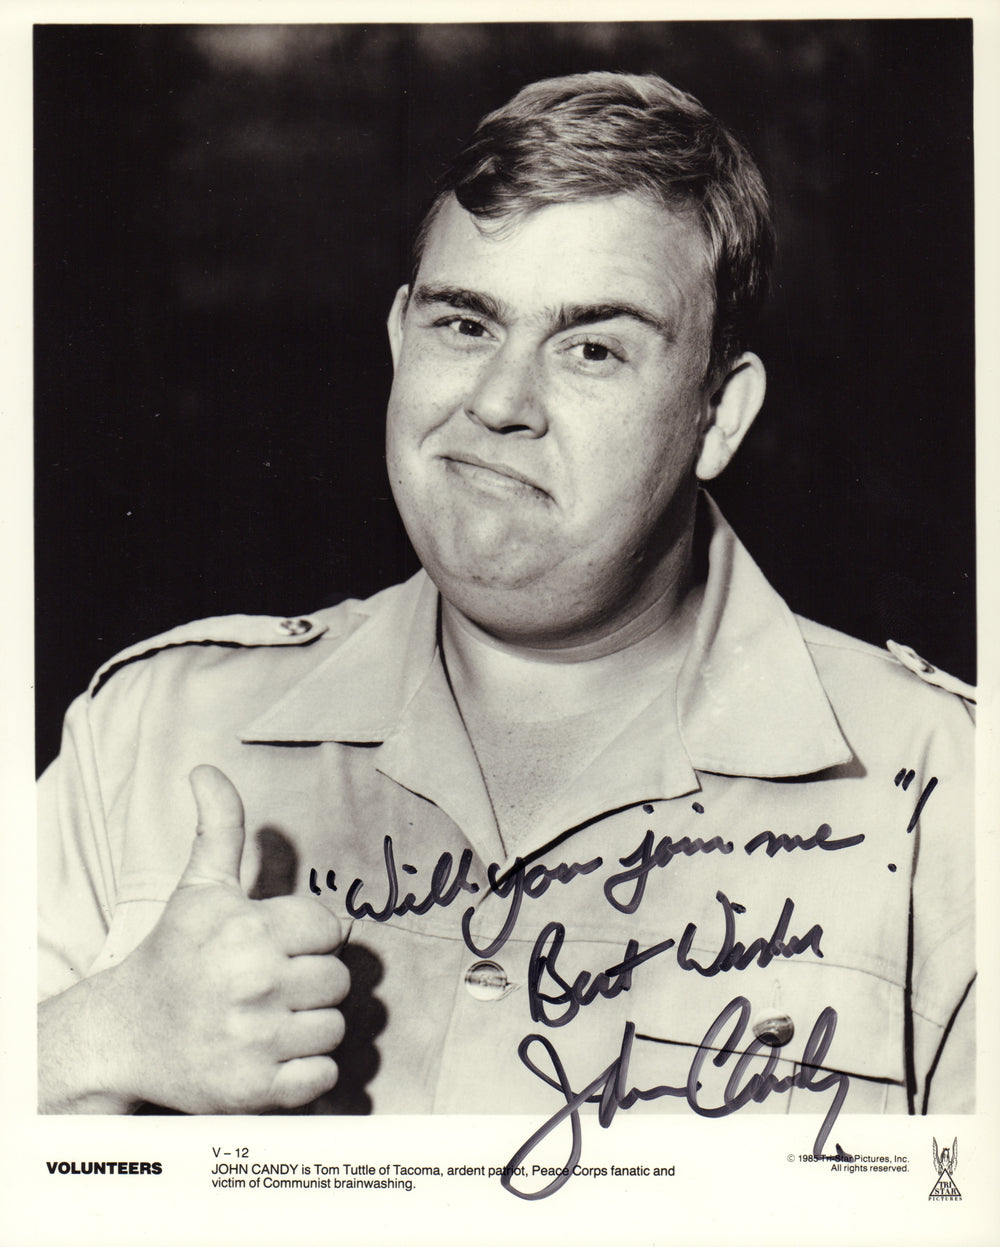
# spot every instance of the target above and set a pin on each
(733, 406)
(395, 322)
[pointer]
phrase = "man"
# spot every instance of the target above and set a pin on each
(593, 798)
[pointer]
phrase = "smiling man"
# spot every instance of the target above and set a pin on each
(585, 786)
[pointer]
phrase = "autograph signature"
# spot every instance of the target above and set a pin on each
(610, 1089)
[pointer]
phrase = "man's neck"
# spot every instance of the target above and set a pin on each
(537, 718)
(519, 683)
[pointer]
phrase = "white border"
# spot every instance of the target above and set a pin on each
(732, 1186)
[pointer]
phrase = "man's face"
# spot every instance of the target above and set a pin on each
(547, 411)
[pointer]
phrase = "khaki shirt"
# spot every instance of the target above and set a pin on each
(807, 791)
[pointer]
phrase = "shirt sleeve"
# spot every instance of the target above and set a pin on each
(942, 945)
(950, 1086)
(76, 882)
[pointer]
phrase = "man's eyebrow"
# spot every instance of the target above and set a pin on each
(592, 313)
(564, 318)
(460, 299)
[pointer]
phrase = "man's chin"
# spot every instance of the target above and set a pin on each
(517, 607)
(487, 580)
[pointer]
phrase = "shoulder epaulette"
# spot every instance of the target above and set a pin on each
(929, 673)
(238, 631)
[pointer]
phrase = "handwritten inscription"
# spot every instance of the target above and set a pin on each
(557, 990)
(555, 1001)
(449, 881)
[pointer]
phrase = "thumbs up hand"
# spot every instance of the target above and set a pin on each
(227, 1006)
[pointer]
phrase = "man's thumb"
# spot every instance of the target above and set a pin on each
(218, 846)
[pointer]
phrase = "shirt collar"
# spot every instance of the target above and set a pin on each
(749, 701)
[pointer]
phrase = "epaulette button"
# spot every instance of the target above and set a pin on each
(294, 627)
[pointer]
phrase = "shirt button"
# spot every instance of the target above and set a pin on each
(774, 1028)
(294, 627)
(486, 981)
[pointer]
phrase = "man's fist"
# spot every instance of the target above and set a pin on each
(227, 1006)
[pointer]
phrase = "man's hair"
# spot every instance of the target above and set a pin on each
(589, 135)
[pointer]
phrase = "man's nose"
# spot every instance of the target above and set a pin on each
(506, 396)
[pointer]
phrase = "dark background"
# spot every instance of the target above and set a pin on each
(222, 218)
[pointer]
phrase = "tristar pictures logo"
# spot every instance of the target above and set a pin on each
(945, 1162)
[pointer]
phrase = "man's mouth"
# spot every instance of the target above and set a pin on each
(491, 474)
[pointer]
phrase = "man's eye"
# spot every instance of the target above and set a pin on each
(589, 352)
(595, 352)
(467, 328)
